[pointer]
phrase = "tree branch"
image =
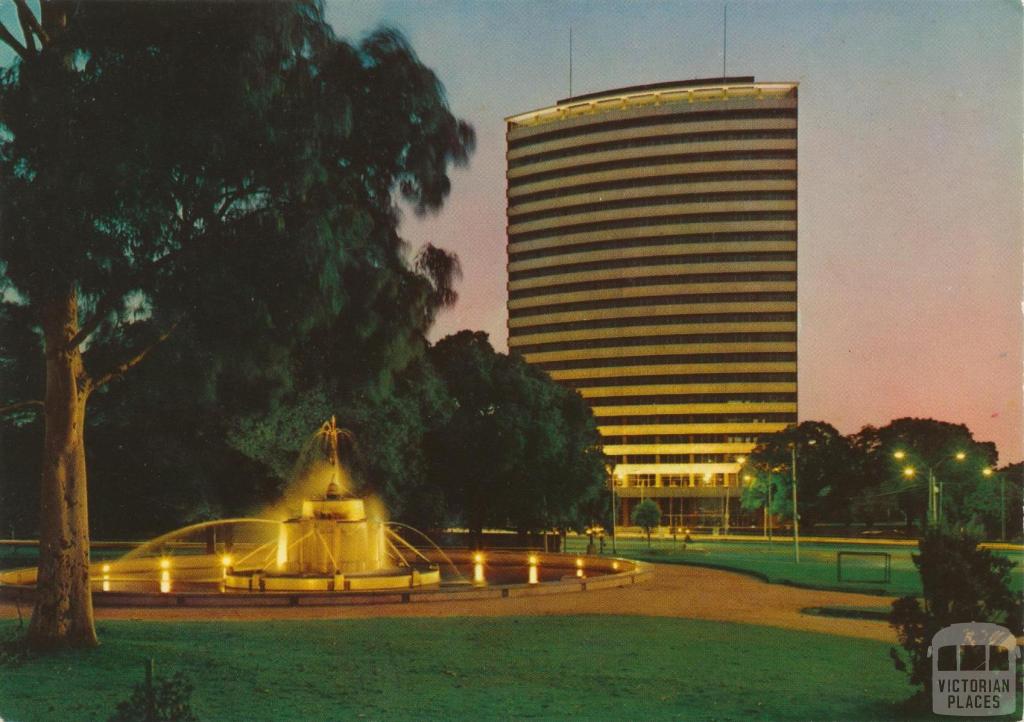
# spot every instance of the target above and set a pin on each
(123, 368)
(20, 405)
(27, 19)
(110, 300)
(9, 39)
(26, 30)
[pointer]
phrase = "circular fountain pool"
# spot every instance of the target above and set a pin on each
(184, 574)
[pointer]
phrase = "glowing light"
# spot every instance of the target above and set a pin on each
(478, 573)
(615, 566)
(165, 563)
(899, 454)
(106, 569)
(533, 560)
(282, 546)
(986, 472)
(478, 558)
(960, 456)
(741, 460)
(908, 472)
(534, 577)
(106, 585)
(226, 560)
(165, 582)
(579, 562)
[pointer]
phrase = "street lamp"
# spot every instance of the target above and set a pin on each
(987, 471)
(616, 478)
(741, 460)
(796, 515)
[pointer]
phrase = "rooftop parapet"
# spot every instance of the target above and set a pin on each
(657, 94)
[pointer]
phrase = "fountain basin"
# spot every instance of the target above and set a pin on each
(506, 574)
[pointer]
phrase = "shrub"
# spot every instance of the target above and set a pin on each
(961, 583)
(165, 700)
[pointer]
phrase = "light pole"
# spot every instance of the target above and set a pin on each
(796, 514)
(1002, 502)
(741, 460)
(615, 518)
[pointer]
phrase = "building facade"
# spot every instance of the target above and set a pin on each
(652, 261)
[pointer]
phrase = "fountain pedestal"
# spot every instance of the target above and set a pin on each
(332, 546)
(332, 536)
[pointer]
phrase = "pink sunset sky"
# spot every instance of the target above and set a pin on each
(910, 180)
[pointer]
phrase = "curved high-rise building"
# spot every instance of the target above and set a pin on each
(652, 238)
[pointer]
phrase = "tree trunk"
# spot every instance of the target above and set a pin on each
(63, 615)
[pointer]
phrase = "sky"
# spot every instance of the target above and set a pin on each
(910, 174)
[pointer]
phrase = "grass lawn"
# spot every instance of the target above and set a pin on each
(817, 567)
(12, 557)
(468, 668)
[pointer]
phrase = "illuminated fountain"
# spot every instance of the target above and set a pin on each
(333, 546)
(332, 551)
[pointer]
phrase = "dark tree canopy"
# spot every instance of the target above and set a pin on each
(924, 445)
(518, 450)
(826, 472)
(220, 172)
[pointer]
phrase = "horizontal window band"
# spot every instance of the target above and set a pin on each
(650, 162)
(666, 359)
(654, 202)
(650, 141)
(672, 220)
(633, 321)
(646, 439)
(515, 201)
(655, 419)
(751, 397)
(647, 121)
(680, 379)
(651, 301)
(654, 262)
(617, 283)
(652, 242)
(667, 340)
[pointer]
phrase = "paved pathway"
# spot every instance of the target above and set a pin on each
(675, 591)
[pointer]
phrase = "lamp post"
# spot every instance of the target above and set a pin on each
(796, 514)
(741, 460)
(1002, 502)
(615, 518)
